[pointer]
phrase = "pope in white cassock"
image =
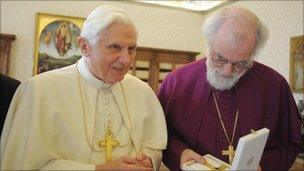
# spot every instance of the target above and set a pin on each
(90, 115)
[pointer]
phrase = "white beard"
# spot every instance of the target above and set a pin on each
(216, 80)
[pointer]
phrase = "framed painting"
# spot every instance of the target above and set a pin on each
(56, 42)
(296, 72)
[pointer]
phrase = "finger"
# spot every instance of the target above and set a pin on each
(201, 160)
(138, 167)
(198, 158)
(146, 163)
(184, 159)
(130, 160)
(186, 156)
(141, 156)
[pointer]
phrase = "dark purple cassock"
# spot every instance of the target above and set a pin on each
(262, 97)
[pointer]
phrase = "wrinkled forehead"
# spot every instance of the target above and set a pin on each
(119, 32)
(236, 38)
(240, 37)
(118, 26)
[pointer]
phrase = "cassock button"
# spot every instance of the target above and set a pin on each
(107, 101)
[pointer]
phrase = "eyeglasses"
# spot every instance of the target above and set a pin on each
(239, 66)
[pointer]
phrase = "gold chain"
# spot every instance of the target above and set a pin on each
(108, 124)
(222, 123)
(85, 120)
(126, 106)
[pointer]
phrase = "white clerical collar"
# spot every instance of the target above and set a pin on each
(89, 77)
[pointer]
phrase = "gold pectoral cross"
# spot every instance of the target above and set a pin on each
(109, 143)
(230, 152)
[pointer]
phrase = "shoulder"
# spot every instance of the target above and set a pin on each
(53, 78)
(190, 69)
(137, 87)
(190, 73)
(264, 79)
(8, 82)
(134, 82)
(263, 73)
(54, 75)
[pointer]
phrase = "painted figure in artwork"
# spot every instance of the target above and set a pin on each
(63, 38)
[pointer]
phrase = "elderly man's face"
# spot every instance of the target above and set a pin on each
(111, 57)
(228, 60)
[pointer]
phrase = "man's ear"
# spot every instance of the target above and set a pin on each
(84, 46)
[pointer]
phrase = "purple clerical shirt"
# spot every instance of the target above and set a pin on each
(262, 97)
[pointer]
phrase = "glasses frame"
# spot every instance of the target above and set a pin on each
(239, 66)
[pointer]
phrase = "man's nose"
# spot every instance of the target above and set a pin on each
(227, 70)
(125, 57)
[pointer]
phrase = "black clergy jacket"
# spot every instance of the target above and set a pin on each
(8, 87)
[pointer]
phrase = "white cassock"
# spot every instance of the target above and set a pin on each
(57, 118)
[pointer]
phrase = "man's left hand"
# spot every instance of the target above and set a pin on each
(144, 160)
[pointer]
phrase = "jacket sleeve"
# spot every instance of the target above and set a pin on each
(283, 148)
(155, 130)
(171, 156)
(174, 150)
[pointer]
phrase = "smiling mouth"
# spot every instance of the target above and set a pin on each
(119, 68)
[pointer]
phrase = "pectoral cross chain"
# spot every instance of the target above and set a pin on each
(230, 152)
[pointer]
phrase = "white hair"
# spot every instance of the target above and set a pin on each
(213, 23)
(100, 19)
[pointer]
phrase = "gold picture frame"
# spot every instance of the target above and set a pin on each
(56, 41)
(296, 71)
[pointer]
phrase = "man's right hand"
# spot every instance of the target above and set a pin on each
(188, 155)
(122, 163)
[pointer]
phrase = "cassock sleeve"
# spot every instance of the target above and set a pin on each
(155, 156)
(59, 164)
(175, 146)
(282, 148)
(24, 145)
(155, 131)
(174, 150)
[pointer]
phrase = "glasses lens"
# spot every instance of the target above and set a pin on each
(219, 60)
(237, 65)
(243, 65)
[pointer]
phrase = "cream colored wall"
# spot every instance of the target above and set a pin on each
(158, 27)
(284, 19)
